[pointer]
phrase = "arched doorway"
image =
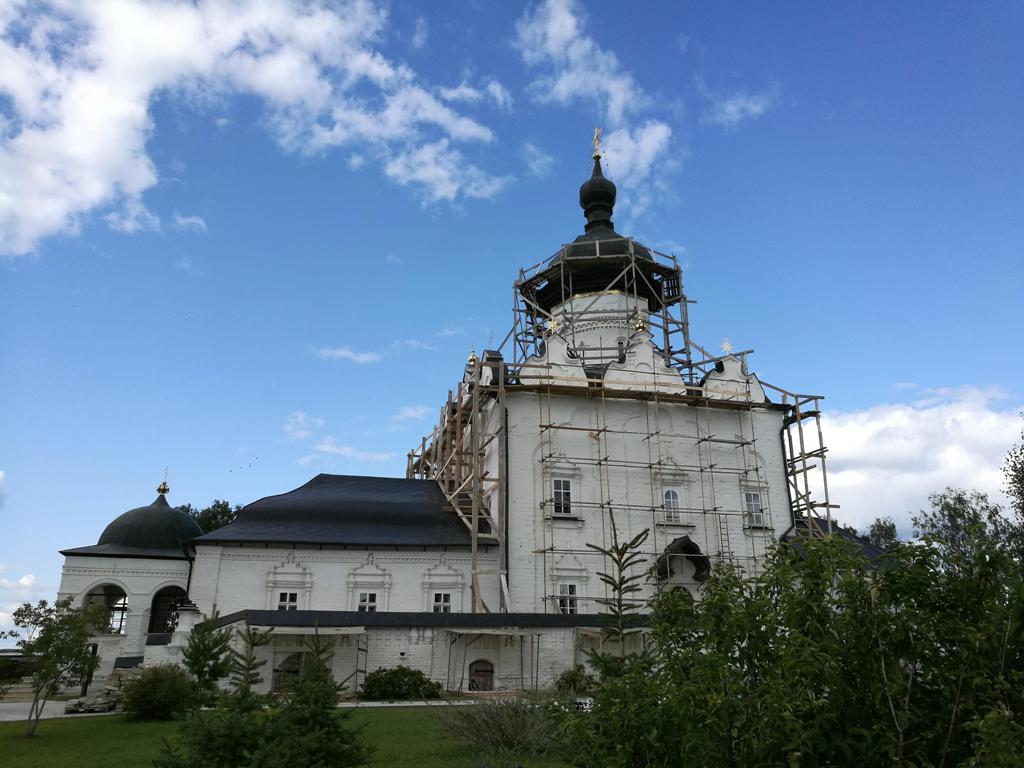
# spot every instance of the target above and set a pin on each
(163, 614)
(114, 599)
(481, 675)
(288, 670)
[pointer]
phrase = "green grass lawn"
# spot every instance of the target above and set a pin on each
(401, 737)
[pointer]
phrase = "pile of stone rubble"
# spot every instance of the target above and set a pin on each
(108, 698)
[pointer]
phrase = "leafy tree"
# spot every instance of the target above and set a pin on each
(883, 533)
(307, 729)
(207, 656)
(824, 659)
(215, 516)
(56, 639)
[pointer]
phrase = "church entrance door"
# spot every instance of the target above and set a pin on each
(481, 676)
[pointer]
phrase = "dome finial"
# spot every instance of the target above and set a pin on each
(597, 143)
(163, 488)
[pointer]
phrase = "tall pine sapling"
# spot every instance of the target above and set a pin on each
(307, 728)
(207, 656)
(622, 584)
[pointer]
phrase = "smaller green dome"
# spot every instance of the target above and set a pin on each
(157, 526)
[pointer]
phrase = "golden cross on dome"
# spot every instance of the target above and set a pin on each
(597, 143)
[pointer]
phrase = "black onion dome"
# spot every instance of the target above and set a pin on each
(157, 526)
(597, 198)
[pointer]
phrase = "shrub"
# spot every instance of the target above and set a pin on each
(575, 681)
(399, 683)
(159, 693)
(503, 727)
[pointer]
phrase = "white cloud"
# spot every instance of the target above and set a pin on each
(356, 161)
(346, 353)
(575, 68)
(14, 592)
(329, 445)
(461, 92)
(77, 81)
(887, 459)
(412, 344)
(300, 425)
(393, 259)
(499, 94)
(193, 223)
(442, 173)
(493, 90)
(419, 34)
(635, 159)
(409, 413)
(538, 162)
(551, 37)
(185, 264)
(729, 110)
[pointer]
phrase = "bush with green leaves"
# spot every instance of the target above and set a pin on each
(159, 693)
(503, 728)
(826, 659)
(575, 682)
(399, 683)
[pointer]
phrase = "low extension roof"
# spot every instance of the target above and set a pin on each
(454, 621)
(348, 509)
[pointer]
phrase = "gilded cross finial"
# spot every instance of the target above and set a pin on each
(726, 346)
(597, 143)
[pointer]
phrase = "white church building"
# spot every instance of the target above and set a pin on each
(477, 567)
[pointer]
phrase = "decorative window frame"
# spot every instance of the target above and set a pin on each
(443, 578)
(289, 576)
(670, 477)
(762, 490)
(369, 577)
(560, 469)
(569, 570)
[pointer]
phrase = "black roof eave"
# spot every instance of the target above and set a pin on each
(326, 542)
(129, 552)
(455, 621)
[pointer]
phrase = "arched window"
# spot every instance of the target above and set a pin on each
(481, 675)
(163, 615)
(672, 506)
(114, 599)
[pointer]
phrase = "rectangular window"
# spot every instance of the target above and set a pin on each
(672, 514)
(567, 598)
(442, 602)
(287, 601)
(367, 602)
(752, 507)
(562, 497)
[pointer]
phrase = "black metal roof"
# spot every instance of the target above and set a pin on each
(156, 530)
(311, 619)
(348, 509)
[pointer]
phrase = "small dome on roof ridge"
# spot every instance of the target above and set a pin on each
(155, 526)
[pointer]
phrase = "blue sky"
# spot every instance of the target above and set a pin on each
(255, 241)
